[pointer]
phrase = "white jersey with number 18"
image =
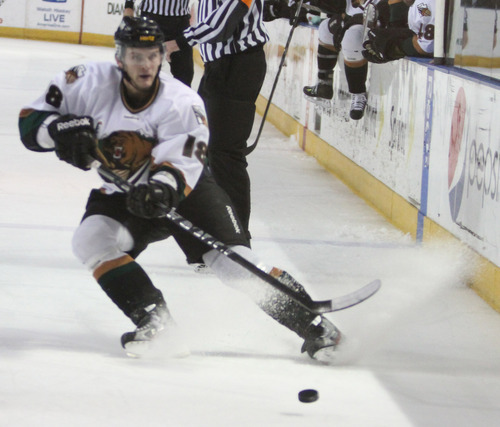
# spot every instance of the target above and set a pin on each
(421, 22)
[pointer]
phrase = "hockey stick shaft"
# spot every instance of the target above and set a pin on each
(317, 307)
(312, 8)
(250, 148)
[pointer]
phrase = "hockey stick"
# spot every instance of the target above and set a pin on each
(317, 307)
(370, 16)
(250, 148)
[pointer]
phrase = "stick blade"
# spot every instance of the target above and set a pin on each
(348, 300)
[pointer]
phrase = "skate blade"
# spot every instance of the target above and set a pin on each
(321, 105)
(330, 354)
(320, 102)
(166, 345)
(137, 349)
(326, 355)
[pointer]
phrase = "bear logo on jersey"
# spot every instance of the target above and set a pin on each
(74, 73)
(424, 9)
(126, 151)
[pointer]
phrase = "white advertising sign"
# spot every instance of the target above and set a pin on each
(464, 194)
(55, 15)
(12, 13)
(102, 17)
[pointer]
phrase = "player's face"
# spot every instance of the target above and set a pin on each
(142, 65)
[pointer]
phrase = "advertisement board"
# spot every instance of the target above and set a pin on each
(102, 17)
(464, 196)
(12, 14)
(54, 15)
(62, 20)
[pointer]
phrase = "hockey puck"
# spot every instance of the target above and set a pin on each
(308, 396)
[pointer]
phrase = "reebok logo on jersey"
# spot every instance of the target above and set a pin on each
(74, 123)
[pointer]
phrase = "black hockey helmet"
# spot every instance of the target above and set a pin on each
(138, 32)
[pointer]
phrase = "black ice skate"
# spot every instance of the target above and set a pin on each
(321, 96)
(319, 91)
(358, 105)
(152, 321)
(321, 340)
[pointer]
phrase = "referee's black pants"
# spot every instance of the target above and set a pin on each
(229, 87)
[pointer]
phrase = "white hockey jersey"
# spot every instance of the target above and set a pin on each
(354, 10)
(171, 129)
(421, 22)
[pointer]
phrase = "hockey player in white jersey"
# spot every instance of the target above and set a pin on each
(150, 129)
(421, 22)
(343, 30)
(389, 44)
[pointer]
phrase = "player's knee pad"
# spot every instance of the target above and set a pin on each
(324, 34)
(226, 269)
(352, 44)
(99, 239)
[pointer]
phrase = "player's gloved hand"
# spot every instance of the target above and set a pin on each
(382, 44)
(337, 26)
(151, 200)
(272, 10)
(75, 139)
(370, 54)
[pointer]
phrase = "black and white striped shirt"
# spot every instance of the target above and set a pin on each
(225, 27)
(166, 7)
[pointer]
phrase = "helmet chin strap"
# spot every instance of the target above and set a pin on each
(129, 80)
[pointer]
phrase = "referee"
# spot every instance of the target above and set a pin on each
(173, 17)
(231, 37)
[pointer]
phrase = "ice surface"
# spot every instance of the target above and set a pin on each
(424, 351)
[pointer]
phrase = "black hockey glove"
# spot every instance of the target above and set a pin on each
(274, 9)
(382, 44)
(337, 25)
(151, 200)
(75, 139)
